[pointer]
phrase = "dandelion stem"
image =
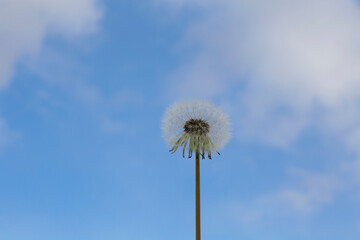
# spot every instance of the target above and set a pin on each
(197, 193)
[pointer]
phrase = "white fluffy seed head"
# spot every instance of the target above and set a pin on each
(195, 125)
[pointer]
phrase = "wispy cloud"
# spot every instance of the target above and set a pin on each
(302, 197)
(70, 78)
(310, 191)
(284, 65)
(26, 23)
(25, 26)
(280, 67)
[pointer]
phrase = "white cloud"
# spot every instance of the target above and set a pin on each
(310, 191)
(300, 198)
(286, 60)
(280, 67)
(25, 24)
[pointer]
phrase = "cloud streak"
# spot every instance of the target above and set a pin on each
(26, 23)
(279, 61)
(280, 67)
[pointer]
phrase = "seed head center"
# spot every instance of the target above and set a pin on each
(197, 127)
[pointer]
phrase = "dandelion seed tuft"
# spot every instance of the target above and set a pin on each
(195, 126)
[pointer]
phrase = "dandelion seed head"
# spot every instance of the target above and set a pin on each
(195, 126)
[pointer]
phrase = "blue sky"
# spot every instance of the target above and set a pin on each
(83, 88)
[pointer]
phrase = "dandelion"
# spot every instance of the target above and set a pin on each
(196, 127)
